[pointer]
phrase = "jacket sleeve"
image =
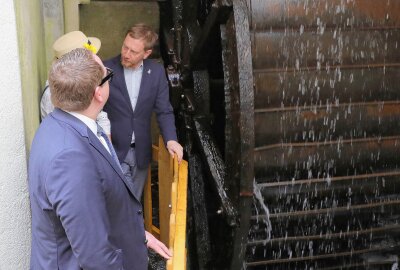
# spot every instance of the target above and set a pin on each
(74, 188)
(163, 109)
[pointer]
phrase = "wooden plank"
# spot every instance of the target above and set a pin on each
(293, 50)
(174, 197)
(154, 152)
(172, 228)
(180, 229)
(337, 236)
(327, 159)
(165, 176)
(326, 123)
(276, 14)
(148, 206)
(313, 87)
(340, 244)
(185, 265)
(155, 231)
(176, 169)
(324, 256)
(366, 184)
(172, 223)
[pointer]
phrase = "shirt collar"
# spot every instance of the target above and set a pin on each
(89, 122)
(139, 68)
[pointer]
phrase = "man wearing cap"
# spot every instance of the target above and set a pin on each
(139, 87)
(84, 213)
(63, 45)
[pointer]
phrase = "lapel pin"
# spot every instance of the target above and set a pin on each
(149, 71)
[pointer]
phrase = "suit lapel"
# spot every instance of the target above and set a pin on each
(95, 142)
(84, 131)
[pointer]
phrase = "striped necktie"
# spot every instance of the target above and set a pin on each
(100, 132)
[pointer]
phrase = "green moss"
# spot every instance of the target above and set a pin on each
(32, 61)
(38, 25)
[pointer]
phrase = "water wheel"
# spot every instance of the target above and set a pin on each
(290, 114)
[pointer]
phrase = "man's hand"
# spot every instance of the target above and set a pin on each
(175, 148)
(158, 246)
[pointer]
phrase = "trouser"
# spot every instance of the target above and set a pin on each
(135, 175)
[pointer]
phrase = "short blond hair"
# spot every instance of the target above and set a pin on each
(73, 79)
(143, 32)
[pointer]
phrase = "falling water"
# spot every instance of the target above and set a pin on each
(326, 127)
(266, 220)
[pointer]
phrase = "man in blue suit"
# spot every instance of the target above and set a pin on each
(139, 87)
(84, 213)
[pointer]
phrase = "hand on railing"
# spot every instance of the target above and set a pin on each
(174, 147)
(158, 246)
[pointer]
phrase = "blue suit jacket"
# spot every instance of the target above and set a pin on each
(84, 215)
(153, 96)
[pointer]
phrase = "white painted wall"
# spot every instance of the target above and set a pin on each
(14, 198)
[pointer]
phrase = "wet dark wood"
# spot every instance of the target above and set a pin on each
(319, 193)
(379, 231)
(278, 14)
(327, 131)
(336, 158)
(374, 184)
(293, 50)
(320, 247)
(301, 229)
(240, 122)
(335, 255)
(325, 123)
(310, 87)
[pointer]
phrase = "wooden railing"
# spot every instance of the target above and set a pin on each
(172, 204)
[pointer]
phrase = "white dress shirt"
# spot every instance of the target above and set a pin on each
(133, 79)
(91, 124)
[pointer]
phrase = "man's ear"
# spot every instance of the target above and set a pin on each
(147, 53)
(98, 94)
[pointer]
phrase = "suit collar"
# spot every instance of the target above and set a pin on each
(95, 142)
(89, 122)
(83, 130)
(72, 121)
(120, 81)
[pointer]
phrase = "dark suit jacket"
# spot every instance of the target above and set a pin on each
(84, 215)
(153, 96)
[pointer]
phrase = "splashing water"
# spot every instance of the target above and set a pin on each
(266, 219)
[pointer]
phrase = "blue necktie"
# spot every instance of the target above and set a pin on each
(100, 132)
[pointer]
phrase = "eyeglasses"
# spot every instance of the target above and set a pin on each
(109, 76)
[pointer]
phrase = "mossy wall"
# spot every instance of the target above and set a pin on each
(39, 23)
(109, 21)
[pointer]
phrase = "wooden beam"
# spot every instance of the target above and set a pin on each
(148, 205)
